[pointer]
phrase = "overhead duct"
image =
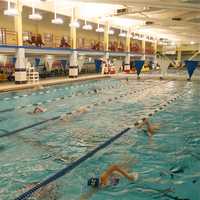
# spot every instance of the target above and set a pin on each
(149, 23)
(176, 18)
(122, 11)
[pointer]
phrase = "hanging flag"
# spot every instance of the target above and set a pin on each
(191, 66)
(98, 65)
(37, 61)
(138, 65)
(14, 59)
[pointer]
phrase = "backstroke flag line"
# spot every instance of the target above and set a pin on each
(138, 65)
(191, 66)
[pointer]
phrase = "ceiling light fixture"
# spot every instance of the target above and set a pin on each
(122, 33)
(111, 32)
(35, 16)
(87, 26)
(56, 20)
(10, 11)
(99, 29)
(74, 24)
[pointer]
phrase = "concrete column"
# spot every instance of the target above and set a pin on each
(18, 23)
(106, 43)
(106, 57)
(155, 51)
(143, 49)
(128, 59)
(179, 53)
(106, 36)
(155, 47)
(127, 67)
(73, 29)
(105, 62)
(74, 58)
(73, 68)
(20, 68)
(128, 40)
(128, 56)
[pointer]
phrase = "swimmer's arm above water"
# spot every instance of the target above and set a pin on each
(114, 168)
(151, 128)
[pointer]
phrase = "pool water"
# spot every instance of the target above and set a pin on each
(168, 165)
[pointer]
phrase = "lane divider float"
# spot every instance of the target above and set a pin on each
(57, 99)
(53, 90)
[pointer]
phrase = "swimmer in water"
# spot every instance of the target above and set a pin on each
(39, 109)
(151, 128)
(81, 110)
(110, 177)
(66, 117)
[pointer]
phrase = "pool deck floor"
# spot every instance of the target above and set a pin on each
(7, 86)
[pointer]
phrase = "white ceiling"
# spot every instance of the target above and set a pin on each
(158, 12)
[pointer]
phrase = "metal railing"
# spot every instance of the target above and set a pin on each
(89, 44)
(46, 40)
(8, 37)
(50, 40)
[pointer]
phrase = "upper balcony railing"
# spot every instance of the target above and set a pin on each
(149, 51)
(50, 40)
(117, 46)
(46, 40)
(89, 44)
(8, 37)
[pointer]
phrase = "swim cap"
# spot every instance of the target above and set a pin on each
(94, 182)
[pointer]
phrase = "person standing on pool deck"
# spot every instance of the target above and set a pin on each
(108, 178)
(151, 128)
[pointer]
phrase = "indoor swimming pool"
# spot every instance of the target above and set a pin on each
(33, 147)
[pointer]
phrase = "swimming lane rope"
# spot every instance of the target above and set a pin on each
(70, 167)
(59, 98)
(50, 91)
(66, 114)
